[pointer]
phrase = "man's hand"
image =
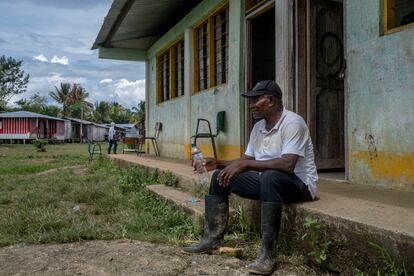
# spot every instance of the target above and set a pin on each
(209, 163)
(235, 167)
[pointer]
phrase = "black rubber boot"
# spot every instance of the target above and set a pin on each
(265, 263)
(215, 224)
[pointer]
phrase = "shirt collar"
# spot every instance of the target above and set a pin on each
(262, 126)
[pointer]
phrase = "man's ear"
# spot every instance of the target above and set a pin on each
(272, 101)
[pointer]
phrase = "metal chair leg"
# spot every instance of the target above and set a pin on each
(153, 146)
(214, 147)
(156, 146)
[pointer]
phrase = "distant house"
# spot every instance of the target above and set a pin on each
(130, 130)
(85, 130)
(25, 125)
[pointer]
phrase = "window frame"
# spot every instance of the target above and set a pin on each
(209, 22)
(169, 54)
(249, 5)
(389, 18)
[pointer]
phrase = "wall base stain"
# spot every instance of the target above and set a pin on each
(224, 152)
(393, 170)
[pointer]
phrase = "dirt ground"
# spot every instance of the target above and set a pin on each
(122, 257)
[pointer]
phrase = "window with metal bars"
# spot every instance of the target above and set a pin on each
(203, 58)
(179, 69)
(170, 73)
(221, 47)
(211, 48)
(165, 77)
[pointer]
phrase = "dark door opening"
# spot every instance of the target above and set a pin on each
(261, 55)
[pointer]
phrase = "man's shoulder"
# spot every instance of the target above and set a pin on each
(292, 117)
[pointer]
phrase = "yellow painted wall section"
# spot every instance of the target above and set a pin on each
(224, 152)
(392, 169)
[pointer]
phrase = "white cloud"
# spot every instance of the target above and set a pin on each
(127, 93)
(40, 58)
(133, 91)
(105, 81)
(63, 60)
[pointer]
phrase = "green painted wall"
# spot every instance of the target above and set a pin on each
(380, 99)
(179, 116)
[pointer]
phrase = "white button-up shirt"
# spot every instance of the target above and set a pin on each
(289, 136)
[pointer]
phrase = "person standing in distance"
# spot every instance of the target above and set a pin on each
(278, 167)
(112, 138)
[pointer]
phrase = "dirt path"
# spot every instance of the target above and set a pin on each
(121, 257)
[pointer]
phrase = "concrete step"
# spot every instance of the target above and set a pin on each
(348, 215)
(183, 200)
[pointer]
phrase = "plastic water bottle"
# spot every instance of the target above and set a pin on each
(198, 164)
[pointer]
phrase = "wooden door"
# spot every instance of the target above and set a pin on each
(326, 71)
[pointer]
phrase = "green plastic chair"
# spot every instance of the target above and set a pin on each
(94, 149)
(220, 118)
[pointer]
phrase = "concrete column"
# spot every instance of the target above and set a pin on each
(236, 60)
(188, 88)
(284, 50)
(147, 95)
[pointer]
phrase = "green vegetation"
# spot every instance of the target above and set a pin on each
(57, 196)
(40, 144)
(168, 178)
(317, 247)
(13, 80)
(393, 269)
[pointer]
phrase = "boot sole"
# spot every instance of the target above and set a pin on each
(210, 251)
(257, 272)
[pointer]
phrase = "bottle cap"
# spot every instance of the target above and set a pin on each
(193, 145)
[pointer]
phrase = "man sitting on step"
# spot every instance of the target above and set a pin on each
(278, 167)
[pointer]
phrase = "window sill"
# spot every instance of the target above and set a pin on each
(398, 29)
(214, 89)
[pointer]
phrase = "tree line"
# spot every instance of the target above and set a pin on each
(71, 99)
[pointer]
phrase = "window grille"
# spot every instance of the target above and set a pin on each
(179, 69)
(221, 47)
(203, 58)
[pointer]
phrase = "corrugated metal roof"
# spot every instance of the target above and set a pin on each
(137, 24)
(27, 114)
(84, 122)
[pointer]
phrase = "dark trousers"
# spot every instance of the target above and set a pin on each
(114, 143)
(268, 186)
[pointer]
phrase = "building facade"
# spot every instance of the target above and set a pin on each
(344, 66)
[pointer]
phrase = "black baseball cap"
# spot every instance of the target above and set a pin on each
(264, 87)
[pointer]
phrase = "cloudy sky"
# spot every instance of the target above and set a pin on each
(54, 37)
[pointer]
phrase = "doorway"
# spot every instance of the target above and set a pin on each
(260, 62)
(320, 78)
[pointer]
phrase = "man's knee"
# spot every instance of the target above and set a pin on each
(270, 186)
(271, 177)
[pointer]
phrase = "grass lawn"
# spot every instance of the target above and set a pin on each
(37, 199)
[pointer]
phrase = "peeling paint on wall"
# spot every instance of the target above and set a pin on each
(393, 170)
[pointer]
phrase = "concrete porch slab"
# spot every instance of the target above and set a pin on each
(352, 214)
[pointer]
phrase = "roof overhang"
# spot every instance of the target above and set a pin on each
(133, 26)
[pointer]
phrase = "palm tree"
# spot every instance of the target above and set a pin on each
(77, 94)
(62, 95)
(139, 113)
(101, 112)
(73, 98)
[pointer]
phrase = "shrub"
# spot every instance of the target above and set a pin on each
(40, 144)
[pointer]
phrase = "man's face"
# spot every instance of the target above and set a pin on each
(260, 106)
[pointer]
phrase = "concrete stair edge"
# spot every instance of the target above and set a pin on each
(345, 233)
